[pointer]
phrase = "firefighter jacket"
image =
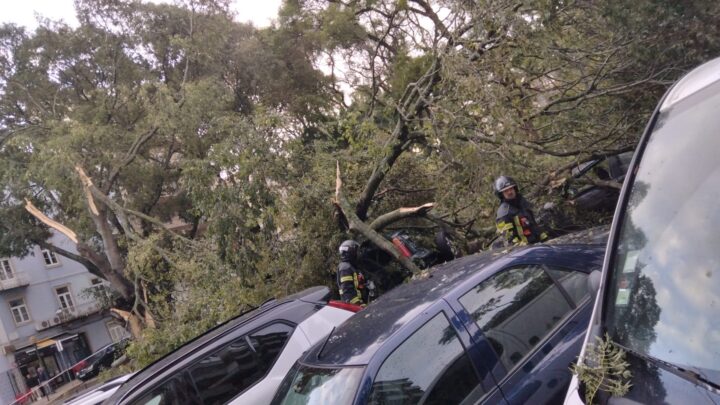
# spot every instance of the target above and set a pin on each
(351, 283)
(516, 223)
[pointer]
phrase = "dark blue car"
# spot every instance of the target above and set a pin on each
(501, 328)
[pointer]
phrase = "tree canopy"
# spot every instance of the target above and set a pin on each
(204, 164)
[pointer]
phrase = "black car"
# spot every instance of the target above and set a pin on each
(588, 188)
(100, 360)
(660, 291)
(496, 328)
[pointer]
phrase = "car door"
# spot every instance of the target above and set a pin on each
(429, 365)
(533, 317)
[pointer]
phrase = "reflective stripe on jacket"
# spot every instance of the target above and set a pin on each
(349, 283)
(516, 223)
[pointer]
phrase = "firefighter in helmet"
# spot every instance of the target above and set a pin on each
(351, 281)
(515, 219)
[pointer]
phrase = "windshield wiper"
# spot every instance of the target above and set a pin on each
(683, 372)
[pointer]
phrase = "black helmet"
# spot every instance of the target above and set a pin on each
(503, 183)
(348, 250)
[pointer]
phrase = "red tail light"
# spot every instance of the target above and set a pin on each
(344, 305)
(401, 247)
(79, 366)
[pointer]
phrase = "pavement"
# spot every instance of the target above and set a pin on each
(64, 392)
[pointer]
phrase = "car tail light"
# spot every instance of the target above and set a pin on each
(79, 366)
(344, 305)
(401, 247)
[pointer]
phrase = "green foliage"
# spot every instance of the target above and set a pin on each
(190, 290)
(243, 127)
(603, 369)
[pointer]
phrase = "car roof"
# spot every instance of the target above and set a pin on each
(698, 79)
(84, 395)
(314, 295)
(356, 341)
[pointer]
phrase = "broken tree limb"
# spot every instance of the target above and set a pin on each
(356, 225)
(93, 262)
(133, 321)
(34, 211)
(401, 213)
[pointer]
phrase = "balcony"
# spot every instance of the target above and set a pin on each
(16, 280)
(65, 315)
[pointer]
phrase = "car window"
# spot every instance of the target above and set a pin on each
(232, 369)
(305, 385)
(430, 367)
(573, 282)
(175, 391)
(516, 310)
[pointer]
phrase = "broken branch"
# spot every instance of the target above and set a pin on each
(357, 225)
(34, 211)
(401, 213)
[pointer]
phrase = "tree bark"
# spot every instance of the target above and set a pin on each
(357, 225)
(399, 214)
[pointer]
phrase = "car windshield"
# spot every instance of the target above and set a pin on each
(664, 286)
(311, 385)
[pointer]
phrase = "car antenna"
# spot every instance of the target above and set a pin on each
(319, 354)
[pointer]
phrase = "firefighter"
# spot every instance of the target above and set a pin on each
(515, 219)
(351, 281)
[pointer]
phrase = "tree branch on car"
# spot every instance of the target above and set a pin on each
(355, 224)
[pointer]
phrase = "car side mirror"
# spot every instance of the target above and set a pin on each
(593, 281)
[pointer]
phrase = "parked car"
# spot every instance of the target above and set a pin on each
(660, 289)
(242, 361)
(100, 360)
(496, 327)
(582, 189)
(96, 395)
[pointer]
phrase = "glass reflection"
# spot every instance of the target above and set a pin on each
(665, 280)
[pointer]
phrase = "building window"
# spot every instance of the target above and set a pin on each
(64, 297)
(19, 311)
(50, 258)
(5, 270)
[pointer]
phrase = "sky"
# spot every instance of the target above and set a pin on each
(23, 12)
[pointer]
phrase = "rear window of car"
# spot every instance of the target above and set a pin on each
(519, 307)
(237, 366)
(319, 386)
(228, 371)
(430, 367)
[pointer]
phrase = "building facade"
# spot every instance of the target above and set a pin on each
(51, 316)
